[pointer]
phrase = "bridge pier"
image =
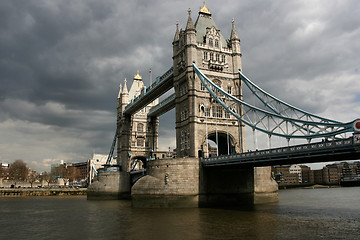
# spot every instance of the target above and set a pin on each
(182, 182)
(170, 182)
(110, 185)
(231, 186)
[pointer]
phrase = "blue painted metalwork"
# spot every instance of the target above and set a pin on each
(260, 119)
(111, 153)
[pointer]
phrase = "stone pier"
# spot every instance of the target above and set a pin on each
(181, 182)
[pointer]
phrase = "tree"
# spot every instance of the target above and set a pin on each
(46, 177)
(18, 171)
(31, 178)
(67, 173)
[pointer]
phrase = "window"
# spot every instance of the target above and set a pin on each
(216, 43)
(227, 114)
(133, 143)
(217, 57)
(184, 115)
(217, 111)
(140, 127)
(202, 87)
(229, 89)
(223, 58)
(211, 56)
(211, 43)
(205, 55)
(140, 142)
(207, 112)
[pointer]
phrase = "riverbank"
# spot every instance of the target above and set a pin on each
(307, 186)
(21, 192)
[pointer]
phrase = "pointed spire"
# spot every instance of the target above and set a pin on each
(205, 10)
(137, 76)
(177, 33)
(190, 25)
(125, 90)
(234, 35)
(120, 91)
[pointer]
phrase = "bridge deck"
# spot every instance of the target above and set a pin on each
(338, 150)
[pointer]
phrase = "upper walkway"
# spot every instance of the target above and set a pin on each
(159, 87)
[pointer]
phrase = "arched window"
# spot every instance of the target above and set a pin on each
(211, 42)
(140, 142)
(140, 127)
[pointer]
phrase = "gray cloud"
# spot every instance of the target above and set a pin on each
(61, 63)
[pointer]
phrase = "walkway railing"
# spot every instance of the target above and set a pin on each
(288, 151)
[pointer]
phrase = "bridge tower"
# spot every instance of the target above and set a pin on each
(137, 135)
(198, 117)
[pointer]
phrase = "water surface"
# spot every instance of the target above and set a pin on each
(332, 213)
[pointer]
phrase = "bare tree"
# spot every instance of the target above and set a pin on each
(46, 177)
(72, 173)
(18, 171)
(67, 173)
(31, 178)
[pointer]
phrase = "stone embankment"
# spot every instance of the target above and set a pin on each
(41, 192)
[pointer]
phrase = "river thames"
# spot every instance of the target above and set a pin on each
(325, 213)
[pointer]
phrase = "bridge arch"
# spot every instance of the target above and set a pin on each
(137, 163)
(224, 142)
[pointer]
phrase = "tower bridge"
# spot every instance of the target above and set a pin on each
(209, 106)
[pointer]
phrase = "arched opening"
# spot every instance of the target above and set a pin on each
(138, 163)
(220, 144)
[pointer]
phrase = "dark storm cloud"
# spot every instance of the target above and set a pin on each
(61, 62)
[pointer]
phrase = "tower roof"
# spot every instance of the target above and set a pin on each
(120, 91)
(136, 86)
(190, 24)
(203, 22)
(234, 35)
(125, 90)
(177, 33)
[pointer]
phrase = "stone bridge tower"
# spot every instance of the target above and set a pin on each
(137, 134)
(198, 117)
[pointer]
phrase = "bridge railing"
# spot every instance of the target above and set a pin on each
(146, 91)
(289, 149)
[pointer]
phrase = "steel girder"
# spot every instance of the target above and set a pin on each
(282, 120)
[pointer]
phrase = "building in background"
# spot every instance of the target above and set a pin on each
(331, 174)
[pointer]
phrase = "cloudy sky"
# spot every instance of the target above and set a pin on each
(61, 62)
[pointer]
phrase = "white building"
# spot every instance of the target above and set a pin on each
(96, 162)
(296, 169)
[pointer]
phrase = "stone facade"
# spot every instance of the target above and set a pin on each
(138, 134)
(169, 183)
(198, 116)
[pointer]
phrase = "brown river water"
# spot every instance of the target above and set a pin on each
(327, 213)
